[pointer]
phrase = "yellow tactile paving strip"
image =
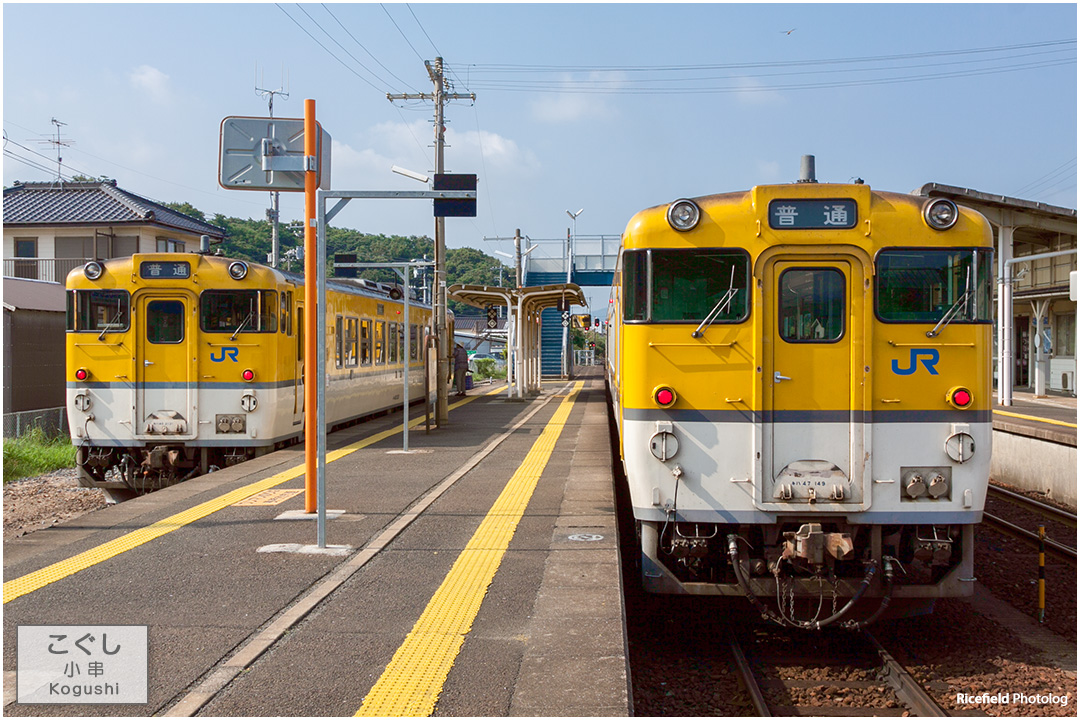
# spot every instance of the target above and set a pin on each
(1036, 419)
(411, 683)
(57, 571)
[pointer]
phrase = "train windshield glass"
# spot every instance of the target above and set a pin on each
(925, 285)
(245, 311)
(686, 286)
(98, 310)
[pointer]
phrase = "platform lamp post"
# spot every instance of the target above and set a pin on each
(570, 242)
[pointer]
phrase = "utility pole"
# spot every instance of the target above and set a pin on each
(440, 98)
(272, 214)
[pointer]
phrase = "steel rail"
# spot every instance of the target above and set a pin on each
(1048, 511)
(907, 689)
(1007, 528)
(746, 674)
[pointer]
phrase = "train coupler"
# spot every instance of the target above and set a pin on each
(809, 545)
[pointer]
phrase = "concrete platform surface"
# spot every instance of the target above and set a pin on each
(477, 575)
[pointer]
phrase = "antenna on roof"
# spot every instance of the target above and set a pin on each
(58, 143)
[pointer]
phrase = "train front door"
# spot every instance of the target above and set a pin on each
(164, 365)
(812, 444)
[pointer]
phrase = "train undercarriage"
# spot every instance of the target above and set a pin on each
(128, 471)
(812, 572)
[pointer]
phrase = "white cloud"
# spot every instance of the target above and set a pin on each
(583, 103)
(752, 92)
(153, 82)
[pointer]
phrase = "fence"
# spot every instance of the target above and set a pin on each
(52, 421)
(48, 269)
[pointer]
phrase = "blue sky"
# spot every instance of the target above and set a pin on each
(143, 88)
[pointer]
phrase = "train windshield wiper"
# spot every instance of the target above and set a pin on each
(721, 305)
(953, 311)
(112, 323)
(242, 325)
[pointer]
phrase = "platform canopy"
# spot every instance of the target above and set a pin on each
(525, 305)
(537, 297)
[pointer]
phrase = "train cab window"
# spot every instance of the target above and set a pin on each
(686, 286)
(812, 305)
(98, 311)
(365, 342)
(380, 343)
(919, 285)
(243, 311)
(165, 322)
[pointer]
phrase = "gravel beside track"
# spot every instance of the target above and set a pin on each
(46, 500)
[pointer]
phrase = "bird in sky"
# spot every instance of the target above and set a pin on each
(788, 32)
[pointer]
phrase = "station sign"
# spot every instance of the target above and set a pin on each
(268, 154)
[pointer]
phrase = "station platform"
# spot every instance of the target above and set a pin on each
(1047, 417)
(477, 575)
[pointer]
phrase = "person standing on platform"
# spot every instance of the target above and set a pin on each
(461, 366)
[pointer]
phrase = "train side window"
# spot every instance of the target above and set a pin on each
(365, 342)
(392, 344)
(300, 334)
(286, 313)
(352, 342)
(339, 337)
(414, 350)
(98, 310)
(380, 343)
(812, 305)
(165, 322)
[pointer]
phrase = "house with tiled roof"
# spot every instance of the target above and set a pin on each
(51, 228)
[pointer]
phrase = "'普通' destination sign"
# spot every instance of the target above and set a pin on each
(164, 270)
(812, 214)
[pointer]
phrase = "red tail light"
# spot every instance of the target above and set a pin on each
(81, 374)
(664, 396)
(960, 398)
(248, 375)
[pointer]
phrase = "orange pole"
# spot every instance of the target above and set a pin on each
(311, 375)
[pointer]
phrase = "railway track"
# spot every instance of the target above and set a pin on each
(837, 674)
(1032, 509)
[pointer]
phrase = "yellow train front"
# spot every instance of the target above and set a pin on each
(178, 364)
(801, 378)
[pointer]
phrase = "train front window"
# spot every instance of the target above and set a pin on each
(812, 305)
(98, 311)
(165, 322)
(239, 311)
(686, 286)
(918, 285)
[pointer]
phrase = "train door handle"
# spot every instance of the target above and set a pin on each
(777, 377)
(147, 363)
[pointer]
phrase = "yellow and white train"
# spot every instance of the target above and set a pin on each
(179, 363)
(802, 384)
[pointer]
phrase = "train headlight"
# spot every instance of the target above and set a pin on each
(238, 270)
(82, 374)
(960, 398)
(248, 375)
(664, 396)
(683, 215)
(940, 214)
(93, 270)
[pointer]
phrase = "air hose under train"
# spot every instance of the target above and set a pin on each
(871, 570)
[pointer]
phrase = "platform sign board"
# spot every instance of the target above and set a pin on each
(268, 154)
(454, 207)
